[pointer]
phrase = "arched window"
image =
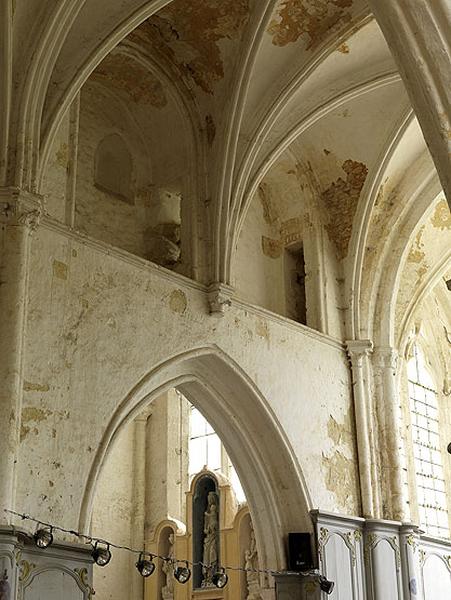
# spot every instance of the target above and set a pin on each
(206, 450)
(427, 456)
(113, 167)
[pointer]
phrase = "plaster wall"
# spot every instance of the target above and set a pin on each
(332, 288)
(98, 212)
(55, 179)
(106, 319)
(264, 284)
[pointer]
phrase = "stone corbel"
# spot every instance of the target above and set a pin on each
(18, 207)
(219, 297)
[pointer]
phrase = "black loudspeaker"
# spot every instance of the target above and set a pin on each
(299, 552)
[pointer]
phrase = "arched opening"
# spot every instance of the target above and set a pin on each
(269, 472)
(113, 167)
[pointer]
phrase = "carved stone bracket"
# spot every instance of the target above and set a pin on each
(18, 207)
(219, 298)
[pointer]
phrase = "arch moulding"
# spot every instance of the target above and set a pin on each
(269, 472)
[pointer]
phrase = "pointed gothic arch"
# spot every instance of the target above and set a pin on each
(270, 474)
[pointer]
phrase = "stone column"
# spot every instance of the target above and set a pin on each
(166, 460)
(358, 350)
(19, 216)
(417, 32)
(139, 492)
(385, 367)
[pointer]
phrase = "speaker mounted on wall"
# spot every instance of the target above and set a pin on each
(300, 556)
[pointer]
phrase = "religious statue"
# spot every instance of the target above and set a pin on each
(168, 569)
(211, 539)
(251, 566)
(5, 588)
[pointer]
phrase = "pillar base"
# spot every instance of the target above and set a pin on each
(295, 586)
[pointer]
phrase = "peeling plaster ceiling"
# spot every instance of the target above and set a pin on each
(192, 34)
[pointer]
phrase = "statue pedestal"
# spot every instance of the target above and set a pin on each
(294, 586)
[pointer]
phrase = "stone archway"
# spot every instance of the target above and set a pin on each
(269, 472)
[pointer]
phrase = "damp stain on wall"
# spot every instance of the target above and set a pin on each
(60, 269)
(210, 129)
(178, 302)
(416, 252)
(270, 212)
(262, 329)
(340, 477)
(340, 433)
(29, 386)
(271, 248)
(343, 48)
(341, 199)
(441, 218)
(311, 18)
(62, 155)
(188, 33)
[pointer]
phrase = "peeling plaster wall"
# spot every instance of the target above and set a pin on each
(431, 242)
(106, 323)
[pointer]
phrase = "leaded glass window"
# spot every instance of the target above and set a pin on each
(429, 473)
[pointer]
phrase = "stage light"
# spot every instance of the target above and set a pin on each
(145, 566)
(43, 538)
(101, 556)
(182, 574)
(326, 585)
(220, 578)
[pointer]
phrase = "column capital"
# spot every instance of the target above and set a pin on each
(386, 357)
(144, 416)
(219, 296)
(19, 207)
(358, 349)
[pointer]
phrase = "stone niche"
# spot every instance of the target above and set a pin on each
(64, 570)
(205, 528)
(237, 546)
(113, 168)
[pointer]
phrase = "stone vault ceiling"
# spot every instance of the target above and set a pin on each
(249, 81)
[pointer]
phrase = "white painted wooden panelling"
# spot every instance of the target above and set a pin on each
(53, 584)
(436, 578)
